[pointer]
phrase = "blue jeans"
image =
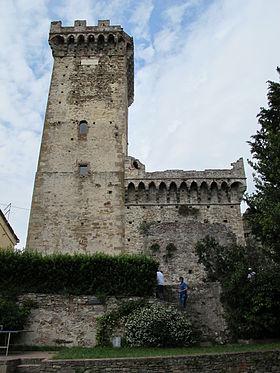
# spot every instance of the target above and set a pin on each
(160, 292)
(183, 300)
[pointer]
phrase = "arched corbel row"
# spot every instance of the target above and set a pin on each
(84, 44)
(182, 192)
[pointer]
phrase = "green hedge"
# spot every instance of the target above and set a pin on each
(122, 275)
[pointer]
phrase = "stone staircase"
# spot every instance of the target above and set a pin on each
(23, 363)
(31, 365)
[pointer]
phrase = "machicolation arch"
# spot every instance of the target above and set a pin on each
(184, 192)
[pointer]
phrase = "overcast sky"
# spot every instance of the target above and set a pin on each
(201, 68)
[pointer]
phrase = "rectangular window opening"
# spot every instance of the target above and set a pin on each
(83, 169)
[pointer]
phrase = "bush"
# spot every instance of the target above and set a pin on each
(251, 302)
(158, 325)
(12, 316)
(108, 323)
(253, 305)
(122, 275)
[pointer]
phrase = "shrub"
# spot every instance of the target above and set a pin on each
(122, 275)
(158, 325)
(13, 316)
(108, 323)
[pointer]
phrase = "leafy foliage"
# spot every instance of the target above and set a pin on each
(250, 284)
(186, 210)
(219, 260)
(122, 275)
(144, 227)
(13, 316)
(155, 247)
(158, 325)
(108, 323)
(170, 249)
(264, 204)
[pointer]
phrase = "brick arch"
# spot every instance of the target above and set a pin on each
(172, 192)
(57, 40)
(91, 39)
(131, 193)
(111, 41)
(100, 41)
(141, 193)
(183, 193)
(193, 192)
(81, 40)
(203, 192)
(152, 193)
(224, 192)
(121, 42)
(162, 193)
(214, 192)
(71, 39)
(236, 191)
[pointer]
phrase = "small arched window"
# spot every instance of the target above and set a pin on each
(83, 127)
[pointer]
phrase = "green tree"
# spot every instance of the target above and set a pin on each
(250, 283)
(264, 203)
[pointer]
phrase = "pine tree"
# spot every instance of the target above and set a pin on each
(264, 203)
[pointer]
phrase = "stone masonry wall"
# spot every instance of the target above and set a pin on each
(78, 198)
(71, 320)
(261, 362)
(181, 207)
(246, 362)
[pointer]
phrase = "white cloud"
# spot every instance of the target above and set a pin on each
(174, 14)
(23, 94)
(201, 77)
(140, 18)
(212, 86)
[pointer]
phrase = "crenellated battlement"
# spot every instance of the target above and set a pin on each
(184, 187)
(86, 40)
(91, 41)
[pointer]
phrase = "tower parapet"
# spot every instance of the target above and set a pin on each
(88, 41)
(175, 187)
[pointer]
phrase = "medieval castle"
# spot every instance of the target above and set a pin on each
(90, 195)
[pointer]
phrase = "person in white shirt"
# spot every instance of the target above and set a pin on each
(160, 284)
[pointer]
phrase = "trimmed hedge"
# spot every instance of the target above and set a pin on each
(122, 275)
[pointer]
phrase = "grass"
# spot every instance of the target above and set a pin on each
(110, 352)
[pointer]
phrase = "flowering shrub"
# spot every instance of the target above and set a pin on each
(111, 321)
(158, 325)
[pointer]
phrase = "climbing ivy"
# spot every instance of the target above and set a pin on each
(185, 210)
(170, 249)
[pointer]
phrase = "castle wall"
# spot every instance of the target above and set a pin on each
(60, 320)
(179, 208)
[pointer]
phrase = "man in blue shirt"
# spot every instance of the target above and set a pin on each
(183, 293)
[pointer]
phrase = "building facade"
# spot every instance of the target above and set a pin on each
(8, 238)
(90, 195)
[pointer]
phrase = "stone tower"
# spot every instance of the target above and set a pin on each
(79, 193)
